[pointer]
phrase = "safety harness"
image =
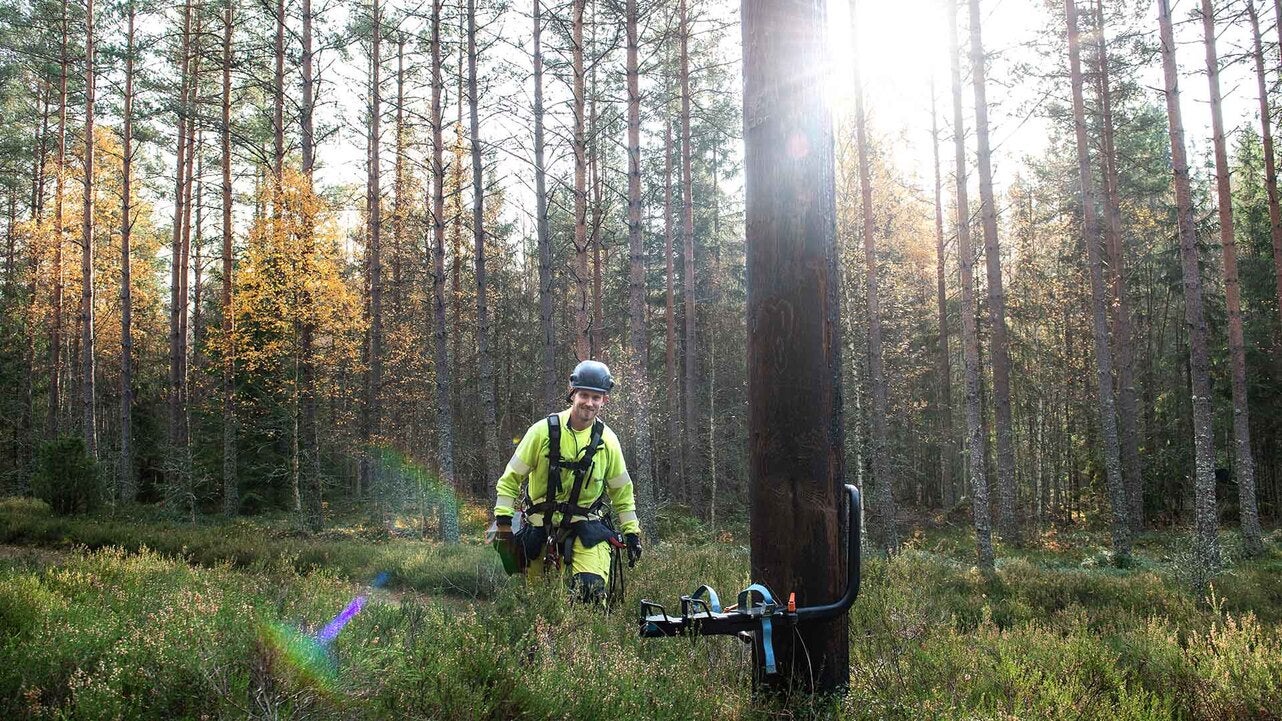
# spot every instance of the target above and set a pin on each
(559, 535)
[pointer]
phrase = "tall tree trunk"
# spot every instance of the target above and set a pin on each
(970, 334)
(278, 95)
(676, 464)
(1207, 527)
(1099, 300)
(582, 322)
(308, 430)
(1277, 220)
(177, 341)
(184, 274)
(551, 386)
(1123, 340)
(374, 206)
(1006, 495)
(1245, 468)
(89, 420)
(595, 171)
(128, 482)
(690, 445)
(231, 484)
(884, 506)
(794, 317)
(55, 326)
(943, 410)
(489, 413)
(440, 358)
(640, 346)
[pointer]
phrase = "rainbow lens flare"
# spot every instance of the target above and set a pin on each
(312, 655)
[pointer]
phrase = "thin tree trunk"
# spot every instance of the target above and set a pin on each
(1123, 340)
(690, 444)
(128, 483)
(89, 420)
(970, 335)
(551, 394)
(374, 374)
(1099, 300)
(582, 323)
(308, 430)
(55, 329)
(1207, 527)
(676, 464)
(177, 342)
(278, 94)
(947, 448)
(595, 170)
(1277, 220)
(1245, 470)
(887, 532)
(231, 486)
(444, 421)
(489, 414)
(1006, 494)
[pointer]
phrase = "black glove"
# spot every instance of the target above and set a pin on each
(504, 528)
(634, 548)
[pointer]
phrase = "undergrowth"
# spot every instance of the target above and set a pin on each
(168, 622)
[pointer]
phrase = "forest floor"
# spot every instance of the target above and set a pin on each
(141, 616)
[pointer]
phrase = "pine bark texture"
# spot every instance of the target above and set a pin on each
(582, 322)
(1121, 530)
(970, 333)
(794, 336)
(1122, 319)
(374, 214)
(308, 431)
(944, 396)
(1244, 470)
(1000, 352)
(1206, 530)
(88, 418)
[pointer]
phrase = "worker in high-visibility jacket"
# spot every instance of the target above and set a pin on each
(590, 472)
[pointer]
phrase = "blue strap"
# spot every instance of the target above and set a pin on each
(713, 601)
(768, 601)
(767, 645)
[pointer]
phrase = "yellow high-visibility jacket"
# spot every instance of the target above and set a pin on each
(609, 474)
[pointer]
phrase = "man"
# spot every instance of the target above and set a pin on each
(584, 470)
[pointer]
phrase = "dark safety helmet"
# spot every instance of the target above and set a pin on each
(591, 375)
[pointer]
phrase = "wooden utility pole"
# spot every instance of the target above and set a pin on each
(1206, 532)
(1006, 495)
(1099, 299)
(794, 335)
(970, 333)
(888, 535)
(1244, 469)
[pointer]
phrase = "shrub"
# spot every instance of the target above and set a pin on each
(66, 477)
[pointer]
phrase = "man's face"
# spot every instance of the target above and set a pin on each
(584, 407)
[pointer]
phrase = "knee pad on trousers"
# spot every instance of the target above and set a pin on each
(588, 588)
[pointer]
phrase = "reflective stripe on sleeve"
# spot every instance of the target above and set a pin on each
(619, 481)
(505, 502)
(627, 517)
(518, 466)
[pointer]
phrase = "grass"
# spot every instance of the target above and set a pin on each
(173, 621)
